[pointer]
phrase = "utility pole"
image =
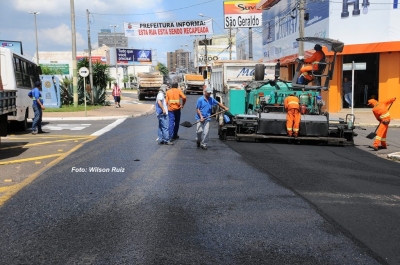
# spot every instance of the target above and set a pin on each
(230, 43)
(116, 59)
(74, 65)
(37, 46)
(206, 55)
(250, 44)
(90, 57)
(301, 27)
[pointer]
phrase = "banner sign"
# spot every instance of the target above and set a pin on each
(242, 14)
(51, 91)
(98, 59)
(173, 28)
(15, 46)
(60, 69)
(133, 56)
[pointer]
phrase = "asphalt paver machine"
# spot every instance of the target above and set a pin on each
(262, 115)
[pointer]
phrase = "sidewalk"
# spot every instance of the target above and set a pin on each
(130, 107)
(363, 117)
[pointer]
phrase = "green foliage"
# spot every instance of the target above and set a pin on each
(50, 71)
(100, 80)
(66, 91)
(162, 68)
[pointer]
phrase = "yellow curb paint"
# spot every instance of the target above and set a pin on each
(29, 159)
(12, 190)
(43, 143)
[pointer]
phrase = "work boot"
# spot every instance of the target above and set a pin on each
(375, 148)
(198, 143)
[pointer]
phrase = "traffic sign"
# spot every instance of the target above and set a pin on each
(357, 66)
(83, 71)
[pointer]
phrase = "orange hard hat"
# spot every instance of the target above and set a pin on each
(372, 102)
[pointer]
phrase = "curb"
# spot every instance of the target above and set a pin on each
(395, 156)
(150, 111)
(375, 124)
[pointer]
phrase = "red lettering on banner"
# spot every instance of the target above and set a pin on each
(162, 32)
(196, 30)
(143, 32)
(153, 32)
(175, 31)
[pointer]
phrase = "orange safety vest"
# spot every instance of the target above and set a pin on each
(317, 57)
(292, 102)
(380, 110)
(173, 99)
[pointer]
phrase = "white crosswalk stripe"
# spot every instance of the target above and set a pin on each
(71, 127)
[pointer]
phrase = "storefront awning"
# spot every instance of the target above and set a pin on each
(393, 46)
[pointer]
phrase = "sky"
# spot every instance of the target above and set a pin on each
(54, 23)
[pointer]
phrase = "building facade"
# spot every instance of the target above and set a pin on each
(369, 31)
(179, 61)
(111, 39)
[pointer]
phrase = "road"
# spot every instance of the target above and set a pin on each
(123, 199)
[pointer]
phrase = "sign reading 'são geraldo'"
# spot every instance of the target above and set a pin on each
(242, 14)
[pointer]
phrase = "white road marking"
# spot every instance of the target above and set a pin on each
(108, 127)
(72, 127)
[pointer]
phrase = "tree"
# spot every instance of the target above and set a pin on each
(162, 68)
(125, 80)
(100, 79)
(66, 91)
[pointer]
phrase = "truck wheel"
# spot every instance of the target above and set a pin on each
(259, 72)
(23, 125)
(141, 97)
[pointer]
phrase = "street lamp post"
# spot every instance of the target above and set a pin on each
(37, 46)
(116, 59)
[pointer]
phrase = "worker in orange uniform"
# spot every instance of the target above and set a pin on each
(314, 60)
(173, 99)
(293, 115)
(381, 112)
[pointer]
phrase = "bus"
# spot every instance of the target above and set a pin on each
(19, 73)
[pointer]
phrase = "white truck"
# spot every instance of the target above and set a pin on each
(234, 74)
(149, 84)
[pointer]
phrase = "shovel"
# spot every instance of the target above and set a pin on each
(373, 134)
(188, 124)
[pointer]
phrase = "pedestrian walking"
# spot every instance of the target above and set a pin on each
(381, 112)
(162, 116)
(176, 101)
(293, 115)
(203, 113)
(36, 95)
(347, 91)
(116, 92)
